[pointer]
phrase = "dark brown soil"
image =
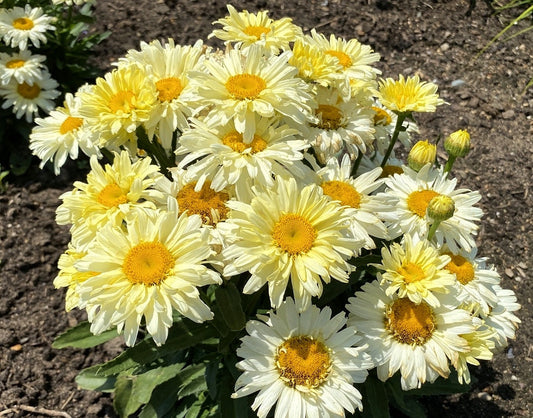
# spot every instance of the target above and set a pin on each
(435, 39)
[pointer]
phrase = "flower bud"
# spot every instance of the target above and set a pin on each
(421, 154)
(458, 143)
(440, 208)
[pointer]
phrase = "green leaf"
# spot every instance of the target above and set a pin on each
(81, 336)
(228, 407)
(183, 334)
(163, 399)
(89, 379)
(145, 383)
(229, 303)
(375, 400)
(123, 402)
(211, 371)
(403, 403)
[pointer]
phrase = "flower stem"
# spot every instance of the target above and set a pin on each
(433, 229)
(449, 163)
(395, 134)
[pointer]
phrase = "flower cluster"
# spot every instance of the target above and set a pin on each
(271, 165)
(44, 49)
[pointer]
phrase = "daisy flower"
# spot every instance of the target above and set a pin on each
(355, 59)
(220, 154)
(342, 126)
(110, 192)
(167, 65)
(27, 99)
(287, 233)
(416, 270)
(21, 66)
(241, 87)
(408, 95)
(247, 29)
(354, 194)
(416, 339)
(151, 268)
(413, 191)
(313, 65)
(61, 134)
(118, 104)
(20, 25)
(474, 281)
(502, 319)
(306, 363)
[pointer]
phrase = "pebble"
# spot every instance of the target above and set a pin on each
(444, 47)
(484, 396)
(508, 114)
(513, 377)
(509, 273)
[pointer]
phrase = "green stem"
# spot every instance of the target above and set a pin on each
(395, 134)
(433, 229)
(356, 163)
(155, 151)
(449, 163)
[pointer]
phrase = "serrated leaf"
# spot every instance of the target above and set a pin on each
(229, 303)
(81, 336)
(183, 334)
(89, 380)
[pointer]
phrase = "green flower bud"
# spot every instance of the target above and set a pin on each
(421, 154)
(458, 143)
(440, 208)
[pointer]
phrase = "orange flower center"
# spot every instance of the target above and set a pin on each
(235, 141)
(461, 267)
(169, 89)
(148, 263)
(27, 91)
(343, 192)
(410, 323)
(294, 234)
(256, 31)
(23, 23)
(330, 117)
(343, 58)
(417, 202)
(71, 123)
(210, 205)
(245, 86)
(16, 63)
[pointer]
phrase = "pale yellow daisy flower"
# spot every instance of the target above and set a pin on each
(21, 66)
(18, 26)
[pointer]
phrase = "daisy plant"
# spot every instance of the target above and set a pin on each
(44, 53)
(248, 233)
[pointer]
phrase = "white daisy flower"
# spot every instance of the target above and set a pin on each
(61, 134)
(20, 25)
(220, 154)
(474, 281)
(243, 86)
(502, 319)
(306, 363)
(26, 99)
(417, 340)
(167, 65)
(414, 190)
(289, 232)
(341, 127)
(245, 29)
(354, 194)
(21, 66)
(415, 269)
(151, 268)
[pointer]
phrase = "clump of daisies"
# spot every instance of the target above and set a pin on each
(44, 51)
(249, 228)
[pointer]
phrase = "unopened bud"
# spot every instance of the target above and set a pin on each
(440, 208)
(458, 143)
(421, 154)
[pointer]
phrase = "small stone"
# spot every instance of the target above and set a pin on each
(444, 47)
(509, 273)
(513, 377)
(484, 396)
(16, 347)
(508, 114)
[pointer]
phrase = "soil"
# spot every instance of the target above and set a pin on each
(437, 40)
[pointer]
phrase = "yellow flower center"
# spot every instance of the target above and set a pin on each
(256, 31)
(330, 117)
(390, 170)
(417, 202)
(235, 141)
(71, 123)
(411, 272)
(23, 23)
(303, 361)
(410, 323)
(381, 117)
(294, 234)
(122, 101)
(111, 196)
(27, 91)
(205, 202)
(245, 86)
(461, 267)
(16, 63)
(169, 89)
(344, 192)
(148, 263)
(343, 58)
